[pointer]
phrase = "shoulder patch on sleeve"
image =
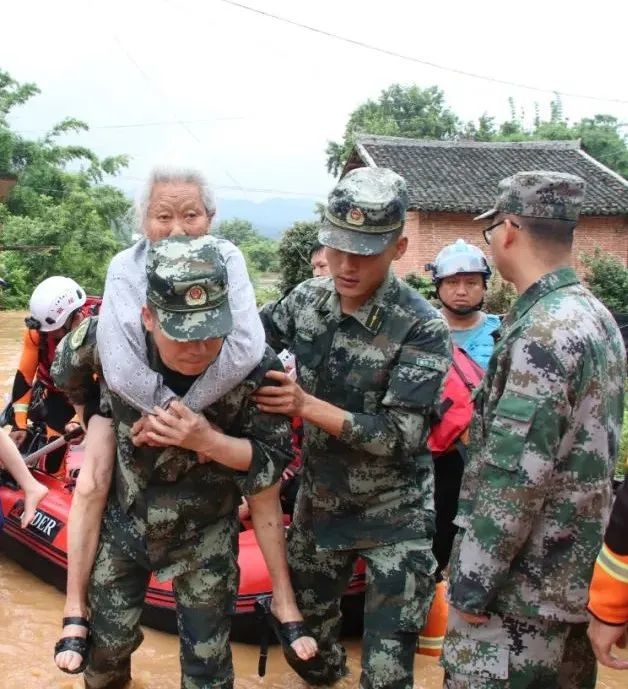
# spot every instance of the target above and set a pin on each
(78, 336)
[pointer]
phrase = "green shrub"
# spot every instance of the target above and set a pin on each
(607, 278)
(422, 284)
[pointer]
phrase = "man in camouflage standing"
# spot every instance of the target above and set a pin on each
(177, 480)
(372, 355)
(537, 489)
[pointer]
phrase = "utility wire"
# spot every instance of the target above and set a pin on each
(411, 58)
(131, 125)
(161, 94)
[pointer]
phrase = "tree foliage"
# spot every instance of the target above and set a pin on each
(607, 278)
(259, 251)
(422, 284)
(417, 113)
(59, 200)
(600, 135)
(294, 253)
(237, 231)
(399, 111)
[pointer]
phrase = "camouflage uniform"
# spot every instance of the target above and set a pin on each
(536, 492)
(167, 513)
(369, 492)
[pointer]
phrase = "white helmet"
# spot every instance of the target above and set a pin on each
(459, 257)
(53, 301)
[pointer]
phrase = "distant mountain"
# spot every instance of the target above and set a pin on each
(271, 217)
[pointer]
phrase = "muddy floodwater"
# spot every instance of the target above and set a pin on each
(30, 618)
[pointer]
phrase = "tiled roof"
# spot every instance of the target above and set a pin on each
(462, 176)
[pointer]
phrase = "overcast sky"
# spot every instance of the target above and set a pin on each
(259, 99)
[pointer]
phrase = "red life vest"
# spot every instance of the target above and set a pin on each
(456, 407)
(47, 345)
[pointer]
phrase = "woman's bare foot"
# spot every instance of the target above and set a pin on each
(32, 497)
(70, 661)
(305, 646)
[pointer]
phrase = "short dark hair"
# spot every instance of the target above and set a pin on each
(549, 231)
(316, 247)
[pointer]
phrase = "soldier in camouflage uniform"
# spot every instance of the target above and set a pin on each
(537, 488)
(372, 355)
(171, 511)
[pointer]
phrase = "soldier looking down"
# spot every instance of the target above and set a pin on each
(177, 479)
(371, 356)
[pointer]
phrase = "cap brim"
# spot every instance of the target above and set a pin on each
(187, 326)
(488, 214)
(361, 243)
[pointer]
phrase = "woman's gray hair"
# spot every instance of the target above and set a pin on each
(170, 175)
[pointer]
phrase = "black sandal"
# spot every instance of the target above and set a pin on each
(286, 633)
(77, 644)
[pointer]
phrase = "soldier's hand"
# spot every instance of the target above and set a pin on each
(179, 426)
(286, 398)
(602, 637)
(471, 618)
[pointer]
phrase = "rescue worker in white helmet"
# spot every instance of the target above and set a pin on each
(57, 305)
(460, 274)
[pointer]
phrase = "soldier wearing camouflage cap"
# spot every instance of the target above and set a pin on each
(372, 355)
(544, 439)
(173, 506)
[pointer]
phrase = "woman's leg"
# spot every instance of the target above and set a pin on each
(267, 518)
(88, 504)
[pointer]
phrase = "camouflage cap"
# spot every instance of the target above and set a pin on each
(539, 194)
(364, 210)
(188, 286)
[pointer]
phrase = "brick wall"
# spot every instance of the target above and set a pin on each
(430, 232)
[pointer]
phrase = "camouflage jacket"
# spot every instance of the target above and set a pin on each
(185, 511)
(544, 438)
(384, 365)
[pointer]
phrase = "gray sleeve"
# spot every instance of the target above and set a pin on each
(123, 350)
(121, 342)
(243, 348)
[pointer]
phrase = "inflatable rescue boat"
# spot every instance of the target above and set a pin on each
(42, 549)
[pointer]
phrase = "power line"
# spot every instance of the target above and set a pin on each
(411, 58)
(131, 125)
(163, 97)
(63, 193)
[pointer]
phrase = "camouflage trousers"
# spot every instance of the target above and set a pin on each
(399, 590)
(204, 602)
(517, 653)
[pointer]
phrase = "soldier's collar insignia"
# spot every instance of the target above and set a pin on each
(196, 296)
(78, 336)
(374, 319)
(322, 299)
(355, 216)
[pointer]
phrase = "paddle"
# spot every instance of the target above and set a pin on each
(32, 459)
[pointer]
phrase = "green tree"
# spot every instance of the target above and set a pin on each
(399, 111)
(413, 112)
(59, 200)
(263, 254)
(260, 251)
(294, 253)
(607, 278)
(237, 231)
(422, 284)
(602, 138)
